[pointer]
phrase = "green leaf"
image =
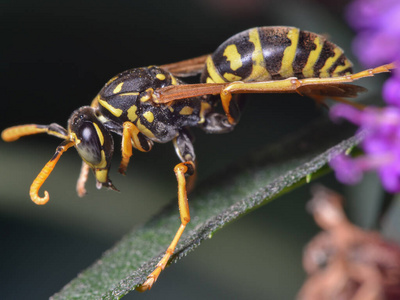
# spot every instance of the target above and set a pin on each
(244, 186)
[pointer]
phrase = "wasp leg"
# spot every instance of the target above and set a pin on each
(14, 133)
(83, 176)
(332, 85)
(183, 145)
(45, 172)
(181, 169)
(132, 135)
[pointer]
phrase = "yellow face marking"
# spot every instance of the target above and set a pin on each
(115, 111)
(131, 113)
(74, 138)
(259, 71)
(187, 110)
(289, 54)
(231, 77)
(171, 109)
(204, 109)
(160, 76)
(213, 73)
(233, 56)
(148, 115)
(347, 64)
(329, 62)
(99, 134)
(101, 175)
(118, 88)
(308, 70)
(143, 129)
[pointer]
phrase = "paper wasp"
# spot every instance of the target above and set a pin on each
(153, 105)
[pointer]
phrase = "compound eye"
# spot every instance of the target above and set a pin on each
(89, 144)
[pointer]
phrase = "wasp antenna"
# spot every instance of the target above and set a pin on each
(45, 172)
(14, 133)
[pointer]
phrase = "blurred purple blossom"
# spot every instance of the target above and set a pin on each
(377, 23)
(381, 145)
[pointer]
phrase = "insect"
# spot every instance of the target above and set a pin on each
(153, 105)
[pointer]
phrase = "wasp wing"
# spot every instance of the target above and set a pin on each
(187, 68)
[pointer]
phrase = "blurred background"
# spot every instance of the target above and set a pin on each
(55, 57)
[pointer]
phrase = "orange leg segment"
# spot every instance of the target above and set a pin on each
(291, 85)
(130, 135)
(180, 171)
(330, 86)
(48, 168)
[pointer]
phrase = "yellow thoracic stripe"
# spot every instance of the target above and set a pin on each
(308, 70)
(148, 115)
(289, 54)
(186, 111)
(115, 111)
(143, 129)
(118, 88)
(131, 113)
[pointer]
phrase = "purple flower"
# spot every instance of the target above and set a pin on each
(377, 42)
(381, 145)
(378, 25)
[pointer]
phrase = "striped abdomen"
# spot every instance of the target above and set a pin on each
(266, 53)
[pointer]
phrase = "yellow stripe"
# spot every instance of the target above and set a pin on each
(289, 54)
(231, 77)
(329, 62)
(99, 134)
(143, 129)
(148, 115)
(111, 80)
(212, 71)
(173, 80)
(204, 109)
(259, 71)
(129, 94)
(131, 113)
(347, 64)
(308, 70)
(160, 76)
(115, 111)
(186, 111)
(233, 56)
(118, 88)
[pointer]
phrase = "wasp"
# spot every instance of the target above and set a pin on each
(153, 105)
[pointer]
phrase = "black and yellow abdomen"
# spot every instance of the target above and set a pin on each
(273, 53)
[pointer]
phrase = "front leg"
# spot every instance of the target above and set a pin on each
(132, 135)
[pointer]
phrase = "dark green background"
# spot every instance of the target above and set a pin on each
(54, 57)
